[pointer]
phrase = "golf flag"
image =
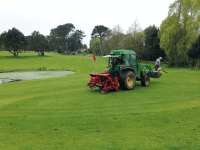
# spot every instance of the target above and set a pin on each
(94, 58)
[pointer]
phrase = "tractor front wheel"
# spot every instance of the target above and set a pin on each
(127, 80)
(145, 81)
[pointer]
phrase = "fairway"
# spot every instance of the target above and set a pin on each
(62, 113)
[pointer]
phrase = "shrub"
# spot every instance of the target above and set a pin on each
(73, 53)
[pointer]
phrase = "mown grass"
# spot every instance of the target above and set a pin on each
(62, 113)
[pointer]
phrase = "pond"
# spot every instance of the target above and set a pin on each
(18, 76)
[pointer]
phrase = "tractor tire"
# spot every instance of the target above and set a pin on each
(127, 80)
(145, 81)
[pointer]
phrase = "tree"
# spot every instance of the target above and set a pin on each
(107, 45)
(117, 38)
(85, 46)
(179, 30)
(134, 28)
(28, 39)
(2, 36)
(134, 42)
(14, 41)
(55, 44)
(62, 33)
(135, 37)
(100, 32)
(94, 46)
(75, 40)
(152, 48)
(113, 40)
(38, 43)
(170, 34)
(117, 29)
(194, 51)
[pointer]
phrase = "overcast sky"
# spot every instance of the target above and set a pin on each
(43, 15)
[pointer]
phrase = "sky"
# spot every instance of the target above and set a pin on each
(44, 15)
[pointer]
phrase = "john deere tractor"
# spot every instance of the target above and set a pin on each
(124, 69)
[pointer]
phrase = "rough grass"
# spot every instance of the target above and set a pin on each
(62, 113)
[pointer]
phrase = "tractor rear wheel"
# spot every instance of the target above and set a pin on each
(127, 80)
(145, 81)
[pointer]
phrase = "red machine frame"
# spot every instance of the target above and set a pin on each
(104, 81)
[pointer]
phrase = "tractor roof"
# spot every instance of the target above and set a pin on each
(118, 52)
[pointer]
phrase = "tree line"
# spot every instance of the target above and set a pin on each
(177, 40)
(62, 39)
(144, 43)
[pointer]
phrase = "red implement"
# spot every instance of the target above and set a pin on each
(104, 81)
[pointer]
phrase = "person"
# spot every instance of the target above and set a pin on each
(118, 61)
(157, 63)
(115, 61)
(110, 62)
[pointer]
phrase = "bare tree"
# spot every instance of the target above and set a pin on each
(117, 29)
(134, 37)
(134, 28)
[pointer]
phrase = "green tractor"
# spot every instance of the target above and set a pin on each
(124, 69)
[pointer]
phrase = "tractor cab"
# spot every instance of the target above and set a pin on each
(115, 62)
(120, 60)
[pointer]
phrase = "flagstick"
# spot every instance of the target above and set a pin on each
(93, 65)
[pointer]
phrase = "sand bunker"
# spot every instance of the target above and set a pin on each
(17, 76)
